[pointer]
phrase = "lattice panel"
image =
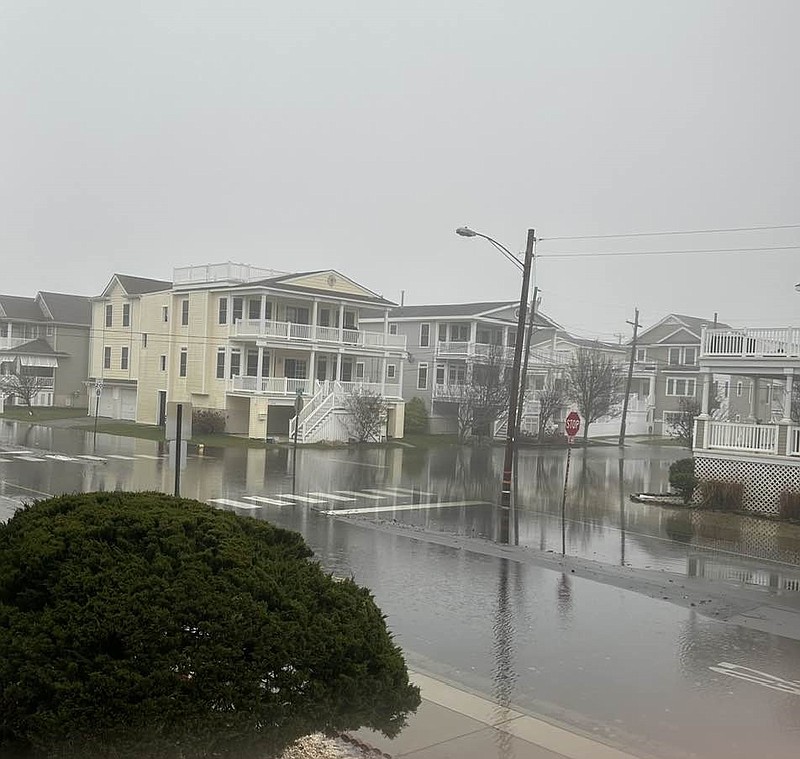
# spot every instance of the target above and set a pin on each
(763, 481)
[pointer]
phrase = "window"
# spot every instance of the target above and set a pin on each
(424, 339)
(165, 313)
(126, 314)
(641, 354)
(349, 320)
(238, 309)
(459, 333)
(359, 370)
(183, 362)
(674, 356)
(391, 371)
(682, 387)
(739, 388)
(456, 375)
(163, 363)
(324, 317)
(265, 364)
(109, 316)
(221, 363)
(483, 336)
(144, 339)
(106, 358)
(123, 358)
(295, 368)
(185, 313)
(299, 315)
(49, 330)
(392, 329)
(223, 310)
(254, 309)
(690, 356)
(252, 363)
(236, 362)
(440, 374)
(442, 333)
(422, 377)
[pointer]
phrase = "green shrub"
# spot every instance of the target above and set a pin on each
(720, 495)
(682, 479)
(416, 417)
(207, 421)
(141, 625)
(790, 506)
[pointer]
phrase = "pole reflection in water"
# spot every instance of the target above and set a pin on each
(564, 599)
(622, 511)
(504, 673)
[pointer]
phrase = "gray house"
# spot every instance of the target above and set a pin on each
(47, 337)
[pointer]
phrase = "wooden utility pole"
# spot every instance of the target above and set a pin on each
(635, 324)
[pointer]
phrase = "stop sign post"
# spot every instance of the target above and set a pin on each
(572, 425)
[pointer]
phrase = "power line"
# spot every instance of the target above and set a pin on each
(668, 252)
(673, 232)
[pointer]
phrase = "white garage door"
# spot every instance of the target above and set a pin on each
(118, 402)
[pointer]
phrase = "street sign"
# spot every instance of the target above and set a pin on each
(98, 387)
(572, 424)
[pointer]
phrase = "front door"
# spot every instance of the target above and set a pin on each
(162, 408)
(322, 368)
(347, 370)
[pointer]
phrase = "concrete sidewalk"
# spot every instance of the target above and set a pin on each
(454, 724)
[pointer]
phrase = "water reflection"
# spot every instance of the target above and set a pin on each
(504, 673)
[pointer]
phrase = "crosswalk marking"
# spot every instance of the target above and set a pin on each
(235, 504)
(362, 495)
(5, 461)
(408, 491)
(28, 458)
(301, 498)
(270, 501)
(404, 507)
(59, 457)
(121, 458)
(148, 456)
(90, 458)
(387, 493)
(331, 497)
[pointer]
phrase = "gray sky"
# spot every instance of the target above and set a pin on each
(357, 135)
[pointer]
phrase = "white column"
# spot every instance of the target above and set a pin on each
(787, 396)
(341, 326)
(339, 364)
(706, 395)
(263, 316)
(400, 364)
(383, 375)
(312, 367)
(386, 321)
(260, 360)
(314, 311)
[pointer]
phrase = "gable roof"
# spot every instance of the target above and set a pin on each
(458, 311)
(20, 307)
(544, 335)
(141, 285)
(694, 324)
(286, 282)
(38, 347)
(69, 309)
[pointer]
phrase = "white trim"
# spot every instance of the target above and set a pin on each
(428, 343)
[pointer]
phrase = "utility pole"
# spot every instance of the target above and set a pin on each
(524, 380)
(635, 324)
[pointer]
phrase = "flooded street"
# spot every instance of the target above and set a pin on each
(512, 622)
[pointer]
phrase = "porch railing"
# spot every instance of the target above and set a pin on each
(752, 343)
(732, 436)
(256, 328)
(273, 385)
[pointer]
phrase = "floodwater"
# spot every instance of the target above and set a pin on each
(635, 671)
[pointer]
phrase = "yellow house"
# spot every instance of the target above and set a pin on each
(245, 342)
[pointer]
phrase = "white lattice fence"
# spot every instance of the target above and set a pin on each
(763, 481)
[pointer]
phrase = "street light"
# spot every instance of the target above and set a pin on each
(511, 428)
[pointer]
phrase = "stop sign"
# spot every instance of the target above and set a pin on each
(572, 424)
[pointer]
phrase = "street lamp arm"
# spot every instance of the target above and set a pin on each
(467, 232)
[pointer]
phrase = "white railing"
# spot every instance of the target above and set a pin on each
(272, 385)
(386, 389)
(225, 272)
(43, 384)
(732, 436)
(256, 328)
(794, 441)
(452, 390)
(748, 343)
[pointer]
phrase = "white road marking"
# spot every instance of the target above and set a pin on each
(360, 463)
(331, 497)
(404, 507)
(121, 458)
(59, 457)
(758, 678)
(387, 493)
(148, 456)
(29, 490)
(235, 504)
(90, 458)
(6, 461)
(363, 495)
(301, 498)
(28, 458)
(407, 491)
(270, 501)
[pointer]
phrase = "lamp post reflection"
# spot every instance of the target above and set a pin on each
(504, 673)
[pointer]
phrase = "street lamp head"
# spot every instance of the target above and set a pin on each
(466, 232)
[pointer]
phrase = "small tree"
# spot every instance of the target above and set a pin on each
(140, 625)
(485, 397)
(595, 386)
(682, 425)
(416, 422)
(20, 384)
(682, 478)
(551, 399)
(366, 415)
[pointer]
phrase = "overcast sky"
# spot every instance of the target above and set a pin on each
(356, 135)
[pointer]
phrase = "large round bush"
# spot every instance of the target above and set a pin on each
(141, 625)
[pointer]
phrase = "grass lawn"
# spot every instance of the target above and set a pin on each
(658, 440)
(43, 413)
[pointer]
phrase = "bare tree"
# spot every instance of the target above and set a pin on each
(485, 397)
(682, 426)
(595, 386)
(795, 403)
(551, 398)
(366, 415)
(19, 384)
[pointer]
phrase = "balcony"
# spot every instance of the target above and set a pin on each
(284, 332)
(763, 439)
(469, 349)
(288, 387)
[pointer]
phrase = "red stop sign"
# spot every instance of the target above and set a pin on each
(572, 424)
